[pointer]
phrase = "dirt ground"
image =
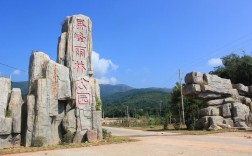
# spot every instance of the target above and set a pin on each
(165, 144)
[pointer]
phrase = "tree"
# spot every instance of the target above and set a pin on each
(236, 68)
(191, 105)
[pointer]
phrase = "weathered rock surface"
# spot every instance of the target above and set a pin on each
(209, 111)
(191, 89)
(226, 110)
(240, 111)
(194, 77)
(214, 102)
(37, 69)
(69, 122)
(6, 126)
(42, 121)
(243, 90)
(226, 105)
(15, 105)
(30, 119)
(91, 136)
(5, 86)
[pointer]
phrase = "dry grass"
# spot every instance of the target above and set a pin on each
(112, 140)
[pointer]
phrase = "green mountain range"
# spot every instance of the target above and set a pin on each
(115, 98)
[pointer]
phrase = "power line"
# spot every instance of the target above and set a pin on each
(6, 65)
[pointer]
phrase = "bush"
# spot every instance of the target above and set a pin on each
(8, 113)
(98, 103)
(39, 141)
(106, 134)
(68, 137)
(176, 126)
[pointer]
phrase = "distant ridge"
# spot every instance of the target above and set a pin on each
(106, 89)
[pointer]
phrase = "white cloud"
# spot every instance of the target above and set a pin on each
(101, 65)
(105, 80)
(16, 72)
(215, 62)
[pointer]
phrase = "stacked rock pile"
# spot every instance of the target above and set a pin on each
(226, 105)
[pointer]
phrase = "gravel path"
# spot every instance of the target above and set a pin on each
(164, 144)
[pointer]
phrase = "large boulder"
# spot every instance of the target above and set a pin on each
(190, 89)
(208, 95)
(5, 87)
(215, 84)
(216, 120)
(240, 111)
(243, 90)
(15, 105)
(194, 78)
(42, 121)
(30, 119)
(91, 136)
(209, 111)
(58, 85)
(226, 110)
(69, 121)
(37, 69)
(214, 102)
(6, 126)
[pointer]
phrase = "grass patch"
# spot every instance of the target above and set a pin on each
(111, 140)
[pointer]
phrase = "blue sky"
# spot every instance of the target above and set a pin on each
(141, 43)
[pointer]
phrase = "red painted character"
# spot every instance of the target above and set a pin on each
(80, 51)
(79, 66)
(79, 36)
(80, 24)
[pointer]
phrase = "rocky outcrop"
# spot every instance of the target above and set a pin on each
(62, 95)
(10, 114)
(5, 85)
(227, 105)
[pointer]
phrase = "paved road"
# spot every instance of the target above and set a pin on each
(162, 144)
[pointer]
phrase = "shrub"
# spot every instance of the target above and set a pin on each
(106, 134)
(8, 113)
(68, 137)
(98, 103)
(39, 141)
(176, 126)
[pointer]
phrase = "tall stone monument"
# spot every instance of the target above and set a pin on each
(64, 96)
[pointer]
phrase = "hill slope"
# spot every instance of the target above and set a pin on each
(107, 89)
(140, 101)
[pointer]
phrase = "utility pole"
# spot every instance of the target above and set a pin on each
(160, 108)
(182, 100)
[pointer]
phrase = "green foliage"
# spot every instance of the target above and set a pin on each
(8, 113)
(165, 121)
(68, 137)
(38, 141)
(236, 68)
(106, 134)
(139, 101)
(191, 106)
(98, 103)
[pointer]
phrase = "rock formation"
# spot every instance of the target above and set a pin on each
(10, 114)
(226, 105)
(64, 96)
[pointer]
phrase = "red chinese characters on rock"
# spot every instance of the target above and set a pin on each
(80, 51)
(79, 66)
(82, 95)
(79, 36)
(80, 24)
